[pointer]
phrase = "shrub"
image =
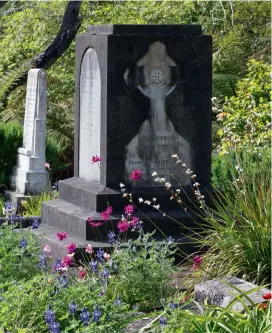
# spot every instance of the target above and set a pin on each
(246, 116)
(11, 137)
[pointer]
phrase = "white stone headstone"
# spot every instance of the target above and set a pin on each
(90, 116)
(30, 176)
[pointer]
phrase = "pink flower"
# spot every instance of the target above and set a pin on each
(134, 221)
(129, 209)
(123, 226)
(47, 165)
(82, 273)
(95, 159)
(47, 249)
(62, 235)
(89, 249)
(95, 224)
(136, 174)
(105, 215)
(66, 261)
(71, 248)
(106, 256)
(197, 260)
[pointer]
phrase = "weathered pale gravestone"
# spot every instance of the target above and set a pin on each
(30, 176)
(143, 93)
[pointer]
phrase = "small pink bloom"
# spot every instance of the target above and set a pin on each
(136, 174)
(82, 273)
(71, 248)
(47, 166)
(47, 249)
(106, 256)
(89, 248)
(134, 221)
(129, 209)
(95, 224)
(66, 261)
(123, 226)
(197, 260)
(62, 235)
(95, 159)
(105, 215)
(90, 219)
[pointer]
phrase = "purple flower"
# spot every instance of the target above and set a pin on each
(173, 305)
(42, 261)
(57, 264)
(100, 255)
(162, 321)
(54, 327)
(35, 224)
(49, 315)
(96, 314)
(85, 316)
(23, 243)
(72, 308)
(93, 266)
(170, 240)
(112, 237)
(63, 281)
(105, 274)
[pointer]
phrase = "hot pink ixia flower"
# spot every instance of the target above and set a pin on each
(197, 260)
(136, 174)
(106, 256)
(105, 215)
(95, 224)
(62, 235)
(67, 261)
(82, 273)
(89, 249)
(71, 248)
(134, 221)
(129, 209)
(47, 249)
(123, 226)
(95, 159)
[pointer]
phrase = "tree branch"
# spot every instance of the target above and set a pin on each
(69, 28)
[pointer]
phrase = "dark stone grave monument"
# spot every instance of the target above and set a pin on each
(143, 93)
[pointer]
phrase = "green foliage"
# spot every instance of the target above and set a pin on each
(11, 137)
(236, 235)
(32, 206)
(218, 319)
(17, 263)
(143, 273)
(247, 118)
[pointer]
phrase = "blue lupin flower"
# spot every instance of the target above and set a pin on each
(96, 314)
(105, 274)
(49, 315)
(93, 266)
(112, 237)
(63, 281)
(85, 316)
(72, 308)
(100, 255)
(23, 243)
(162, 321)
(54, 327)
(173, 305)
(57, 264)
(8, 207)
(56, 186)
(35, 224)
(42, 261)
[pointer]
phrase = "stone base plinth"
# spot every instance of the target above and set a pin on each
(80, 199)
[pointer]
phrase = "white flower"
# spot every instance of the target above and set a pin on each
(162, 180)
(125, 195)
(178, 190)
(178, 161)
(141, 199)
(184, 165)
(193, 176)
(154, 199)
(175, 156)
(157, 207)
(188, 171)
(122, 185)
(167, 184)
(154, 174)
(147, 202)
